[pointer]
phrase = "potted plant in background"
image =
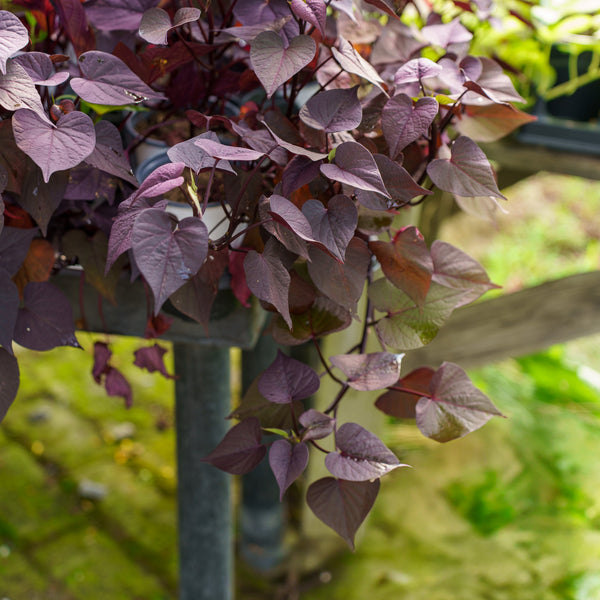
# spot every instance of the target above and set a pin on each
(319, 129)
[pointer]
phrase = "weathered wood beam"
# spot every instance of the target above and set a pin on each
(516, 324)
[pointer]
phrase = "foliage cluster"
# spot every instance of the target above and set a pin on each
(313, 125)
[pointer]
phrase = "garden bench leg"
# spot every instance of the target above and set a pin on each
(202, 399)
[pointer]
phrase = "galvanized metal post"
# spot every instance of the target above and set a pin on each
(202, 401)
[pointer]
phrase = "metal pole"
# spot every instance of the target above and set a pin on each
(202, 401)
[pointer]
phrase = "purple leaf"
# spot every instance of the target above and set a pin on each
(287, 461)
(18, 91)
(116, 384)
(14, 245)
(482, 207)
(46, 319)
(318, 425)
(333, 110)
(294, 149)
(401, 400)
(453, 407)
(362, 455)
(311, 11)
(40, 68)
(406, 262)
(274, 64)
(54, 147)
(108, 80)
(287, 379)
(156, 23)
(14, 36)
(268, 279)
(467, 172)
(367, 372)
(152, 359)
(356, 167)
(257, 12)
(167, 253)
(9, 308)
(398, 182)
(342, 282)
(163, 179)
(108, 154)
(111, 15)
(9, 381)
(298, 172)
(288, 214)
(333, 226)
(447, 34)
(408, 326)
(247, 33)
(102, 354)
(493, 83)
(352, 62)
(75, 25)
(218, 150)
(403, 123)
(192, 156)
(240, 450)
(416, 69)
(261, 140)
(342, 505)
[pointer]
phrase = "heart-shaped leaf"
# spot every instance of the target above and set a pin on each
(454, 406)
(408, 326)
(122, 15)
(334, 225)
(217, 150)
(493, 83)
(9, 308)
(268, 279)
(168, 254)
(241, 448)
(367, 372)
(287, 379)
(274, 64)
(162, 180)
(356, 167)
(257, 12)
(156, 23)
(398, 182)
(455, 269)
(403, 123)
(298, 172)
(108, 154)
(45, 320)
(289, 215)
(466, 173)
(40, 68)
(318, 425)
(342, 505)
(247, 33)
(287, 461)
(362, 455)
(416, 69)
(54, 147)
(9, 381)
(311, 11)
(191, 155)
(401, 400)
(108, 80)
(13, 37)
(406, 262)
(352, 62)
(342, 282)
(18, 91)
(333, 110)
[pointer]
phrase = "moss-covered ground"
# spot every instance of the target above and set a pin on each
(87, 487)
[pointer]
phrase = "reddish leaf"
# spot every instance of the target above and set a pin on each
(152, 359)
(342, 505)
(240, 450)
(287, 462)
(352, 62)
(157, 325)
(37, 266)
(401, 400)
(367, 372)
(318, 425)
(238, 278)
(116, 384)
(467, 172)
(490, 122)
(162, 180)
(189, 153)
(406, 262)
(362, 455)
(74, 20)
(287, 379)
(455, 269)
(384, 7)
(274, 64)
(9, 381)
(268, 279)
(454, 406)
